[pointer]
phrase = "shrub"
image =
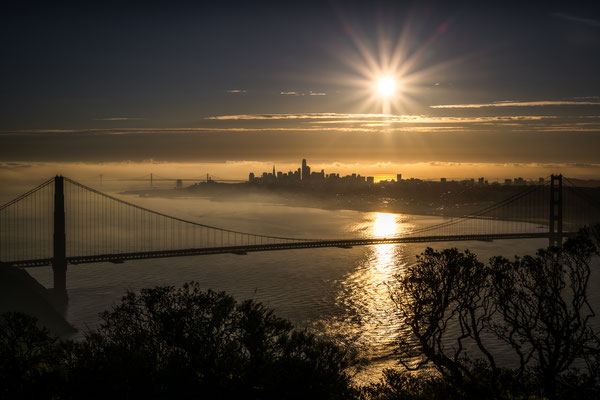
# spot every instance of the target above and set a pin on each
(168, 342)
(30, 358)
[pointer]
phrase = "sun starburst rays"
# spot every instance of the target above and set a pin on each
(391, 73)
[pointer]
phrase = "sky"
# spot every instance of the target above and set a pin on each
(475, 87)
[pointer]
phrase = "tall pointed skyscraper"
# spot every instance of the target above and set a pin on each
(305, 170)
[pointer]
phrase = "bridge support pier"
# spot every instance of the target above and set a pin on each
(556, 208)
(59, 262)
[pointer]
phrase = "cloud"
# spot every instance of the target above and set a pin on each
(297, 116)
(347, 122)
(415, 123)
(429, 129)
(129, 131)
(310, 93)
(424, 119)
(586, 21)
(14, 165)
(237, 91)
(508, 103)
(341, 118)
(585, 98)
(118, 119)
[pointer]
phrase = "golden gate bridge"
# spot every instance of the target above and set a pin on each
(62, 222)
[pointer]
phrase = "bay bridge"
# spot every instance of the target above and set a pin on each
(152, 179)
(62, 222)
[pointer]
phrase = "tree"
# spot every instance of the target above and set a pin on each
(442, 289)
(537, 305)
(30, 358)
(168, 342)
(545, 308)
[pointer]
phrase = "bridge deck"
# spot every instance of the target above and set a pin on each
(346, 243)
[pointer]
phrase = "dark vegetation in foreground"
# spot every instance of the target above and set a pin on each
(170, 342)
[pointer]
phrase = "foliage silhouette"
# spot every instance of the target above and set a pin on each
(167, 342)
(30, 358)
(537, 305)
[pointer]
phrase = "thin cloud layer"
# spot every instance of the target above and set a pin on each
(387, 122)
(119, 119)
(294, 93)
(509, 103)
(353, 122)
(572, 18)
(297, 116)
(425, 119)
(292, 141)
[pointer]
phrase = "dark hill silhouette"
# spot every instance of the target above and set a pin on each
(20, 292)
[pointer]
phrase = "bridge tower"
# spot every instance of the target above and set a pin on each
(556, 211)
(59, 260)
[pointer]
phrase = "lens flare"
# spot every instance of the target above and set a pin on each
(393, 70)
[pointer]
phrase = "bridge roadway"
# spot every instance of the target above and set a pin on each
(242, 250)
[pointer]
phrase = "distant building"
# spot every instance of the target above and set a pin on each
(305, 170)
(179, 184)
(251, 177)
(317, 176)
(443, 180)
(481, 181)
(398, 177)
(508, 181)
(370, 179)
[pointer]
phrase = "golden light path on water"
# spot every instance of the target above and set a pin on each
(371, 321)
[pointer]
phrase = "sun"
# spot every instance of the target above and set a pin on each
(386, 86)
(388, 73)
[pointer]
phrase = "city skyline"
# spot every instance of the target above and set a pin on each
(304, 175)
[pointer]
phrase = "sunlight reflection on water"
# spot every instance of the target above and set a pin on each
(374, 325)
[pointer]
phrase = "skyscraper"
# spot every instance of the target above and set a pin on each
(305, 170)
